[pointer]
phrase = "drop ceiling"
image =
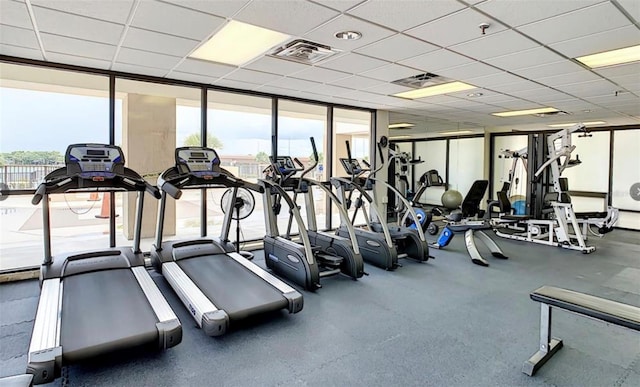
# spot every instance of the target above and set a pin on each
(523, 61)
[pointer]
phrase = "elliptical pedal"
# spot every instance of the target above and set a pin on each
(327, 260)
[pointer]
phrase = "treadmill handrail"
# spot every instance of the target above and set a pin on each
(223, 179)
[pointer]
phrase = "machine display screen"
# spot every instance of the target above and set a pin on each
(198, 155)
(285, 162)
(351, 166)
(95, 152)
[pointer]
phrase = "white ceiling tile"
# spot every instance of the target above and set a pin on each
(293, 84)
(603, 41)
(192, 77)
(64, 45)
(77, 60)
(468, 71)
(539, 95)
(629, 82)
(259, 77)
(396, 48)
(357, 82)
(289, 16)
(235, 84)
(391, 72)
(133, 69)
(517, 13)
(586, 21)
(329, 90)
(353, 63)
(20, 52)
(273, 90)
(325, 33)
(514, 87)
(501, 78)
(173, 20)
(614, 100)
(276, 66)
(146, 58)
(547, 70)
(204, 68)
(387, 88)
(113, 11)
(436, 60)
(455, 28)
(403, 14)
(223, 8)
(487, 46)
(14, 14)
(156, 42)
(318, 74)
(65, 24)
(631, 6)
(589, 89)
(340, 5)
(632, 69)
(522, 59)
(565, 79)
(18, 37)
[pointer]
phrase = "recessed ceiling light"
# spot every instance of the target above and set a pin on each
(399, 137)
(452, 132)
(613, 57)
(443, 88)
(525, 112)
(237, 43)
(586, 111)
(402, 125)
(348, 35)
(591, 123)
(474, 95)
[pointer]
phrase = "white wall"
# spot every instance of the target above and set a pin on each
(434, 153)
(466, 163)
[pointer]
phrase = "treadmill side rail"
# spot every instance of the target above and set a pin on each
(293, 296)
(169, 328)
(45, 352)
(212, 320)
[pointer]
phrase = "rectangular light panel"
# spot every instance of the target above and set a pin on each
(591, 123)
(611, 58)
(237, 43)
(399, 137)
(457, 132)
(401, 125)
(444, 88)
(514, 113)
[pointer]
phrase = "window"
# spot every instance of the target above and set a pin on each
(297, 123)
(42, 111)
(353, 126)
(151, 121)
(239, 129)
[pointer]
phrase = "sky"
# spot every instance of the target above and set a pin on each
(46, 121)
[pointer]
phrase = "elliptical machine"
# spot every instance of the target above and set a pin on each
(408, 243)
(319, 254)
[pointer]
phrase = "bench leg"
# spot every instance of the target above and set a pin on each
(474, 254)
(548, 345)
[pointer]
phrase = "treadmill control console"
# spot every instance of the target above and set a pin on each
(94, 161)
(201, 162)
(352, 166)
(286, 165)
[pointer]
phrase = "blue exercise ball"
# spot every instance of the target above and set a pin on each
(451, 199)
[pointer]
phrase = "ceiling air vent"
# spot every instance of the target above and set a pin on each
(421, 80)
(551, 114)
(304, 51)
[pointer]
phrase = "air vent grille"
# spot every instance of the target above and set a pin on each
(304, 51)
(421, 80)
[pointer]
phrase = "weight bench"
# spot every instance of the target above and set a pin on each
(612, 312)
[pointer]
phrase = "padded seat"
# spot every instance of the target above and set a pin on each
(517, 218)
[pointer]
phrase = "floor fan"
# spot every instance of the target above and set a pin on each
(242, 207)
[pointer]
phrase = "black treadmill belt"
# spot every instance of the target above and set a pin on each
(102, 312)
(232, 287)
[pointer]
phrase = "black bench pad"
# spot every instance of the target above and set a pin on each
(602, 309)
(518, 218)
(590, 215)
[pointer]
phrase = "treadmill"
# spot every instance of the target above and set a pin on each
(98, 301)
(217, 285)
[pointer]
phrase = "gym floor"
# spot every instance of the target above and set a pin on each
(444, 323)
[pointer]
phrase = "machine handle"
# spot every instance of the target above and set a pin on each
(254, 187)
(171, 190)
(348, 149)
(37, 197)
(315, 150)
(366, 163)
(153, 190)
(298, 162)
(381, 153)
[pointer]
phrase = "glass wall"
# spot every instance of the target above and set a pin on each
(42, 111)
(466, 163)
(239, 129)
(434, 154)
(626, 177)
(353, 126)
(297, 123)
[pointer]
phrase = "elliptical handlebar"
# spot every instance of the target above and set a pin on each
(315, 158)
